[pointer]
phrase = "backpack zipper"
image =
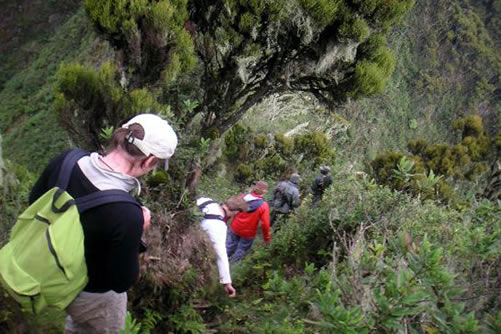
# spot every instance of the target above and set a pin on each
(53, 252)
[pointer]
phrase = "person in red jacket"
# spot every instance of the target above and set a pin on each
(243, 228)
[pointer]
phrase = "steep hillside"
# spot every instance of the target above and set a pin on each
(30, 129)
(367, 258)
(25, 27)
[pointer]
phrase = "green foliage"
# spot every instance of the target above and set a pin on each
(413, 124)
(244, 173)
(237, 143)
(370, 77)
(79, 81)
(29, 92)
(151, 33)
(261, 141)
(384, 165)
(391, 264)
(284, 145)
(358, 30)
(404, 167)
(99, 101)
(204, 145)
(314, 146)
(417, 146)
(94, 96)
(107, 132)
(462, 161)
(131, 326)
(187, 320)
(469, 126)
(389, 12)
(322, 11)
(270, 166)
(15, 186)
(493, 323)
(143, 101)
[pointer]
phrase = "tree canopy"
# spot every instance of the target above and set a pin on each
(229, 55)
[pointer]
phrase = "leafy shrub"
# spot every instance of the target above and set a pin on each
(270, 166)
(261, 141)
(417, 146)
(15, 188)
(284, 145)
(358, 30)
(314, 146)
(466, 160)
(244, 173)
(469, 126)
(237, 143)
(187, 320)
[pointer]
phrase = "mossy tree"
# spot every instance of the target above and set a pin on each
(242, 51)
(251, 49)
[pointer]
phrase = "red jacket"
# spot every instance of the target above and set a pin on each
(245, 224)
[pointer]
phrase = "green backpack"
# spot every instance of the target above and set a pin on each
(43, 263)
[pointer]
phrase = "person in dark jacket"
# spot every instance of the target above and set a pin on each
(112, 232)
(285, 197)
(321, 182)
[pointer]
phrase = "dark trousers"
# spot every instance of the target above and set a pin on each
(275, 215)
(237, 247)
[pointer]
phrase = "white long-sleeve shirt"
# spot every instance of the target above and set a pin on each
(216, 229)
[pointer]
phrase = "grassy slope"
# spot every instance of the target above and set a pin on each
(30, 130)
(26, 25)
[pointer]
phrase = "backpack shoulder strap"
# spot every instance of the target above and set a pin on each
(69, 162)
(204, 204)
(254, 204)
(98, 198)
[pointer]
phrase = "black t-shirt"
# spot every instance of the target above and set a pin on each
(112, 232)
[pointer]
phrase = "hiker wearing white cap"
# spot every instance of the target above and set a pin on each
(214, 224)
(112, 231)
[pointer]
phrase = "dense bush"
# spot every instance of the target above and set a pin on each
(284, 145)
(314, 146)
(256, 158)
(238, 143)
(436, 165)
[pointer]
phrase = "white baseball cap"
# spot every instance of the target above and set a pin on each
(159, 139)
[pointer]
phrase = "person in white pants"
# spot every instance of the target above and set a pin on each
(214, 224)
